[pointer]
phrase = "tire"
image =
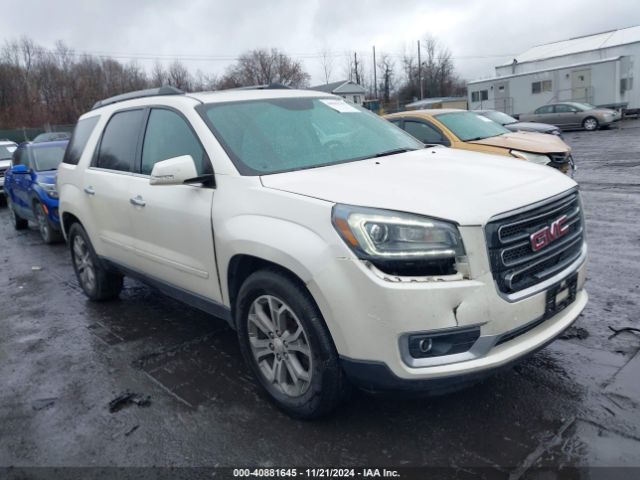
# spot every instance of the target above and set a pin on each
(48, 231)
(98, 283)
(325, 385)
(17, 221)
(590, 124)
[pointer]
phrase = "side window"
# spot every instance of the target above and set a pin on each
(564, 109)
(168, 135)
(545, 109)
(79, 139)
(424, 132)
(120, 140)
(480, 95)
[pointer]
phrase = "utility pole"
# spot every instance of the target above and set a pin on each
(420, 72)
(355, 67)
(375, 78)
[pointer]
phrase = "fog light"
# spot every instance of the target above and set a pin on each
(444, 343)
(425, 345)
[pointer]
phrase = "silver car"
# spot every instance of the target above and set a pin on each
(573, 115)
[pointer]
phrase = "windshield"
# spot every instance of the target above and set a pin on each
(583, 106)
(499, 117)
(47, 158)
(468, 126)
(285, 134)
(6, 151)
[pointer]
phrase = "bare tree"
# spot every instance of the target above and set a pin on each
(347, 68)
(179, 76)
(41, 86)
(326, 62)
(386, 67)
(159, 75)
(263, 67)
(438, 73)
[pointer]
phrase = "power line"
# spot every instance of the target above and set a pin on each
(234, 57)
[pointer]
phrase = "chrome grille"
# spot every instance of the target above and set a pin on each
(514, 263)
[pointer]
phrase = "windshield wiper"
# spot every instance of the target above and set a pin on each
(475, 138)
(393, 152)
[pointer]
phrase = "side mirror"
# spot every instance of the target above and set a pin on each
(19, 169)
(174, 171)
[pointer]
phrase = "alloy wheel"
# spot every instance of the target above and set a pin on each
(590, 124)
(84, 263)
(279, 345)
(43, 224)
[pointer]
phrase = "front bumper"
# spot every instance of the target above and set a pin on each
(370, 317)
(378, 377)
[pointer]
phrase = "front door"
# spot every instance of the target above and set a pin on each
(566, 115)
(172, 223)
(22, 184)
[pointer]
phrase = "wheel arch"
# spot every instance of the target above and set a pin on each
(242, 265)
(66, 221)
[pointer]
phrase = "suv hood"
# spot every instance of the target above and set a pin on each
(47, 176)
(465, 187)
(527, 141)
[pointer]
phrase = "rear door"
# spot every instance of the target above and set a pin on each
(172, 223)
(107, 185)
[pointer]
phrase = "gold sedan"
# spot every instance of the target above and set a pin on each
(469, 131)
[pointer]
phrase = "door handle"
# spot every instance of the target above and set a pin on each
(89, 191)
(138, 201)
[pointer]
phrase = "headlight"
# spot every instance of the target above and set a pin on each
(538, 158)
(49, 189)
(400, 243)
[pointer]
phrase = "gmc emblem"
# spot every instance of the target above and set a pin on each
(551, 233)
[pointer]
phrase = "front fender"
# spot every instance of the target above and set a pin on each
(290, 245)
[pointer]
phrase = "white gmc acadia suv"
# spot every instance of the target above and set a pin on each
(340, 249)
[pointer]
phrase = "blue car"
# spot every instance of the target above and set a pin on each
(30, 187)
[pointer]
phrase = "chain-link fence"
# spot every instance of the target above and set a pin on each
(26, 134)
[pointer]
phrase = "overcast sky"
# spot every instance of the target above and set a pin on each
(207, 34)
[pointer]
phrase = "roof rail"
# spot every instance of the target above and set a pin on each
(270, 86)
(150, 92)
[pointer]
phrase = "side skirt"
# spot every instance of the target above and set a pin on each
(197, 301)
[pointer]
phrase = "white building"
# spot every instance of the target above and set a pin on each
(597, 69)
(346, 89)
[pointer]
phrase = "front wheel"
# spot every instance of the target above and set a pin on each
(48, 232)
(97, 283)
(284, 340)
(590, 124)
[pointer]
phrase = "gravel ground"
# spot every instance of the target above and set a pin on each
(63, 359)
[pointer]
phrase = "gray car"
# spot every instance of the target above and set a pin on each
(573, 115)
(510, 123)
